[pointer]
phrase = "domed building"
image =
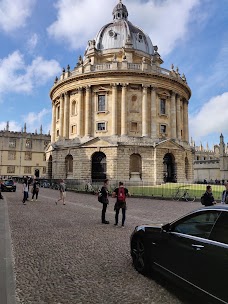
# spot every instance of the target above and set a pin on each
(118, 114)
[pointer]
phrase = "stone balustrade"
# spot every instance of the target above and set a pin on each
(118, 66)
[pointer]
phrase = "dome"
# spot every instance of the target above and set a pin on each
(122, 33)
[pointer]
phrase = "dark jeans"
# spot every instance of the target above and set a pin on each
(123, 215)
(25, 196)
(35, 193)
(103, 212)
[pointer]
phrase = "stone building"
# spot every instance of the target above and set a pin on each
(23, 153)
(118, 113)
(211, 164)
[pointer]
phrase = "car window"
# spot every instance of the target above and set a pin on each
(9, 183)
(220, 230)
(199, 224)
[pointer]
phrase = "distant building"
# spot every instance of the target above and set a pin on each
(211, 165)
(118, 114)
(23, 153)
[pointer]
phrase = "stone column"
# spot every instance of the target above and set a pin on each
(144, 112)
(185, 109)
(61, 115)
(79, 124)
(53, 135)
(153, 114)
(173, 118)
(66, 116)
(88, 111)
(114, 109)
(123, 110)
(178, 118)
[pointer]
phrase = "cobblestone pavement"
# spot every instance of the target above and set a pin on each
(64, 255)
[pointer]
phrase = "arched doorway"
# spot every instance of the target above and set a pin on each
(169, 170)
(69, 165)
(135, 167)
(98, 166)
(50, 167)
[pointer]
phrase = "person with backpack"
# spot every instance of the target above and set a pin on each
(120, 193)
(103, 199)
(207, 199)
(35, 189)
(225, 194)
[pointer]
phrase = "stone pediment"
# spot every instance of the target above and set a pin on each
(97, 142)
(169, 144)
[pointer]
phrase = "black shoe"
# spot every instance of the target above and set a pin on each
(105, 222)
(116, 224)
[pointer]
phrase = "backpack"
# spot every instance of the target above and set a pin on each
(121, 194)
(100, 197)
(202, 200)
(37, 187)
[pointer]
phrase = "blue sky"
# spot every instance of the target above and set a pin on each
(40, 37)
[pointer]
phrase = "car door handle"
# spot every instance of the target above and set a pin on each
(197, 247)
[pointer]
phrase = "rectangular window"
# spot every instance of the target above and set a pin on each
(163, 129)
(11, 169)
(73, 129)
(28, 143)
(134, 126)
(28, 155)
(101, 103)
(12, 143)
(162, 106)
(11, 155)
(27, 170)
(44, 170)
(101, 126)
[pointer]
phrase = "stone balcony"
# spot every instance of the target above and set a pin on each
(121, 66)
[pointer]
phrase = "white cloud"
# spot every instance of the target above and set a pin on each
(165, 21)
(14, 14)
(34, 120)
(211, 119)
(13, 125)
(16, 76)
(32, 42)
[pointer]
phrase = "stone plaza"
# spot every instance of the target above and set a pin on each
(64, 255)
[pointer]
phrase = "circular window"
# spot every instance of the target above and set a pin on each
(134, 98)
(111, 33)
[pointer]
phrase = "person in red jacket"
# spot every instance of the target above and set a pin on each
(120, 193)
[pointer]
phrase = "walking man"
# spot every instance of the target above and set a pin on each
(208, 199)
(35, 189)
(104, 201)
(62, 191)
(120, 193)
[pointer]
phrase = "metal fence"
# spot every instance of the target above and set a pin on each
(177, 191)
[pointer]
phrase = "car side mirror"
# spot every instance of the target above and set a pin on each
(166, 228)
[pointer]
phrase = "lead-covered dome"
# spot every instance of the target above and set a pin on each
(122, 33)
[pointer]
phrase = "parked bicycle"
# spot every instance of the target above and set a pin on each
(183, 194)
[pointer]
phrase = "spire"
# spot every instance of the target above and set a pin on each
(25, 128)
(120, 12)
(7, 126)
(41, 129)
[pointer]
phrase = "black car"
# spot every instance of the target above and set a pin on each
(8, 185)
(192, 250)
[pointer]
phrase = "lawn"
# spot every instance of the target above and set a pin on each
(169, 189)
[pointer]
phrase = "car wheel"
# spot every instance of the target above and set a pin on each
(139, 256)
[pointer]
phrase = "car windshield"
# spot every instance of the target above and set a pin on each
(8, 183)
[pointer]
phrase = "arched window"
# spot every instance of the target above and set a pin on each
(169, 168)
(69, 164)
(98, 166)
(73, 108)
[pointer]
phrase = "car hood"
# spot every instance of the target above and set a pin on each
(147, 227)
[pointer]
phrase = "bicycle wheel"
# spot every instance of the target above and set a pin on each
(176, 196)
(188, 198)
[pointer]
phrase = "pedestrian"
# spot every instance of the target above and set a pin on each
(35, 189)
(120, 193)
(62, 191)
(25, 191)
(225, 194)
(104, 201)
(207, 199)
